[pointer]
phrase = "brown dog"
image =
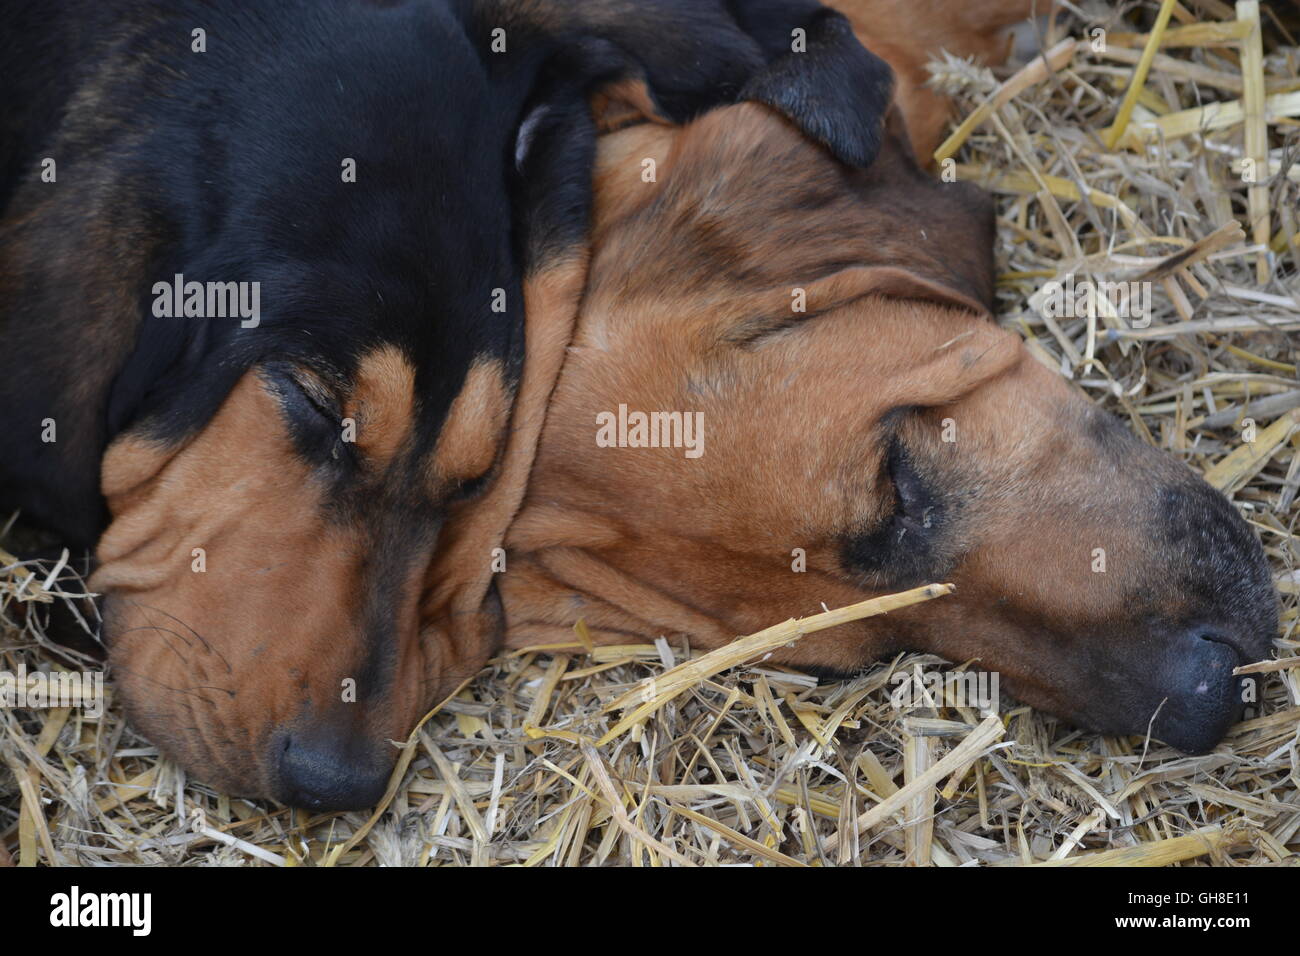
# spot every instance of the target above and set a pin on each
(888, 436)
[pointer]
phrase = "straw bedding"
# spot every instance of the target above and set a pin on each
(1132, 162)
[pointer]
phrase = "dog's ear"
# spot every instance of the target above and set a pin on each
(555, 148)
(670, 60)
(682, 57)
(951, 255)
(818, 75)
(691, 54)
(890, 229)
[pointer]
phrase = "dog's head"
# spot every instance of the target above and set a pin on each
(277, 476)
(306, 250)
(836, 417)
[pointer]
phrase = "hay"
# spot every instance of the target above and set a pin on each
(646, 755)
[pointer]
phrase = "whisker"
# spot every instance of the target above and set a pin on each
(199, 637)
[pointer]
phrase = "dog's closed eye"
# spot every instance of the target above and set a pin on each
(915, 506)
(904, 547)
(312, 409)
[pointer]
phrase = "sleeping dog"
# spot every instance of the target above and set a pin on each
(263, 273)
(886, 435)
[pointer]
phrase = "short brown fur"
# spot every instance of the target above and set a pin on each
(475, 426)
(688, 308)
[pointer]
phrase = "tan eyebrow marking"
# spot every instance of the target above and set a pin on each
(382, 403)
(475, 426)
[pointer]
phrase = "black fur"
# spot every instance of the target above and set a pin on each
(225, 166)
(835, 90)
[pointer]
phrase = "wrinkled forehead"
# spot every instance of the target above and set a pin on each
(738, 209)
(731, 154)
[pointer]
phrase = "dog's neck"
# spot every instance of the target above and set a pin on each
(568, 565)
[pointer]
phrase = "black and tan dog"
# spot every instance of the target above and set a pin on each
(263, 271)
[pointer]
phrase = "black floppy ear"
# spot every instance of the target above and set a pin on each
(818, 75)
(686, 56)
(794, 55)
(554, 151)
(690, 54)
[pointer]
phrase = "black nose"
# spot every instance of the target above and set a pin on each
(1201, 696)
(330, 772)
